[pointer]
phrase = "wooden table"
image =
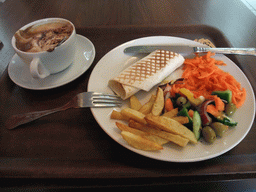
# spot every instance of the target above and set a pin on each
(69, 149)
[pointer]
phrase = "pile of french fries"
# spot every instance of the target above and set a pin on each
(147, 128)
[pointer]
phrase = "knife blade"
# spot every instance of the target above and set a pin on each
(189, 49)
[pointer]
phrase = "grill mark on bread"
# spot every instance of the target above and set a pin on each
(146, 68)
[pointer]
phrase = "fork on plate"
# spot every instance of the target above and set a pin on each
(81, 100)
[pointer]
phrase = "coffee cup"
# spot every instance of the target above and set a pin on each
(47, 46)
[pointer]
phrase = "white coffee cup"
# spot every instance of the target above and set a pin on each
(44, 63)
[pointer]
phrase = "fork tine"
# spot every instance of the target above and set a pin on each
(105, 96)
(106, 100)
(106, 105)
(102, 101)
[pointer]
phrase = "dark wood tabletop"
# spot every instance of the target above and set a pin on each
(69, 149)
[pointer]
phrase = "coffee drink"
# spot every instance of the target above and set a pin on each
(44, 37)
(46, 46)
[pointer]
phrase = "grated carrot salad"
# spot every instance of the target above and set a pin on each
(202, 76)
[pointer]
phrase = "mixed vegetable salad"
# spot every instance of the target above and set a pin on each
(207, 118)
(205, 94)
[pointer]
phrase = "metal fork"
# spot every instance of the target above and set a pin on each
(81, 100)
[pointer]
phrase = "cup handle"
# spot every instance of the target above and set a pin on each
(37, 69)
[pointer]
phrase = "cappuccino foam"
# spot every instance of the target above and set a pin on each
(43, 37)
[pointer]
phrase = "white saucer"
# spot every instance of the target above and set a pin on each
(84, 57)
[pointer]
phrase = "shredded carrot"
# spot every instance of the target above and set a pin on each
(191, 113)
(202, 76)
(168, 104)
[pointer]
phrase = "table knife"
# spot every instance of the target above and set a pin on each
(189, 49)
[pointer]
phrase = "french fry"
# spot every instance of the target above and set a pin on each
(171, 113)
(143, 134)
(147, 107)
(140, 126)
(135, 103)
(133, 114)
(177, 139)
(124, 127)
(139, 142)
(117, 115)
(170, 125)
(159, 103)
(156, 139)
(181, 119)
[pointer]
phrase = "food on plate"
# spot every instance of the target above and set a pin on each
(230, 109)
(146, 135)
(171, 126)
(190, 96)
(219, 128)
(133, 114)
(139, 128)
(117, 115)
(203, 77)
(124, 127)
(206, 95)
(145, 73)
(209, 111)
(147, 107)
(135, 103)
(185, 112)
(209, 134)
(158, 105)
(171, 113)
(177, 139)
(180, 119)
(226, 95)
(186, 109)
(196, 124)
(139, 142)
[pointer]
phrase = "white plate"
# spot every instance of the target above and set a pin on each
(115, 61)
(84, 57)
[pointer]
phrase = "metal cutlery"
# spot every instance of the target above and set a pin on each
(81, 100)
(189, 49)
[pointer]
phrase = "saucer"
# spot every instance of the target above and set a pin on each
(84, 57)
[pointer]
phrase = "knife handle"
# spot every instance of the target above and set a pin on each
(20, 119)
(240, 51)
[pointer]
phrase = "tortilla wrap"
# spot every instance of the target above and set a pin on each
(145, 73)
